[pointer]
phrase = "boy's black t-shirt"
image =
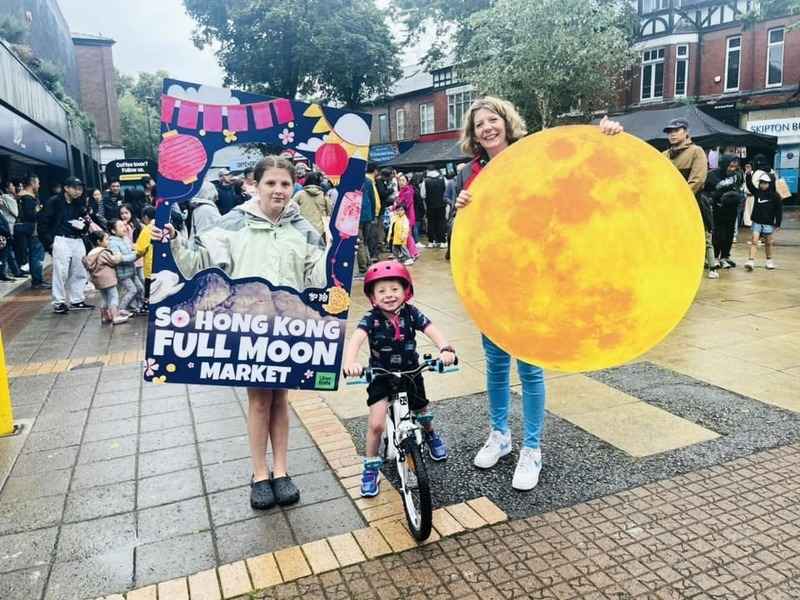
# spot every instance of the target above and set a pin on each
(385, 351)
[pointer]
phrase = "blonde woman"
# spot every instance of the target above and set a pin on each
(491, 126)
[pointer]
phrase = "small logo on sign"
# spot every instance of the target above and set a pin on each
(325, 381)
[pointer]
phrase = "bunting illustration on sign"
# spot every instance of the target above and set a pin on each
(252, 299)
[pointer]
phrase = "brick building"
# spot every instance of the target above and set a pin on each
(418, 123)
(743, 72)
(98, 93)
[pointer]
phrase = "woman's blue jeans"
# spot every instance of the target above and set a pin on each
(498, 386)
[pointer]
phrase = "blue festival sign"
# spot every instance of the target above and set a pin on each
(252, 301)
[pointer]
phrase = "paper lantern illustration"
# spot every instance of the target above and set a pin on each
(332, 160)
(181, 157)
(349, 214)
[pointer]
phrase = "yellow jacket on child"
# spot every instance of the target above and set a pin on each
(400, 229)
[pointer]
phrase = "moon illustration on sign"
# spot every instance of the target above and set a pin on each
(579, 251)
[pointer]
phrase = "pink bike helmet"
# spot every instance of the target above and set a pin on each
(388, 269)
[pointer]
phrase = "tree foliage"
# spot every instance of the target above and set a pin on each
(550, 57)
(340, 49)
(139, 107)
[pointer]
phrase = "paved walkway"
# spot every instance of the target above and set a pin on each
(122, 484)
(732, 531)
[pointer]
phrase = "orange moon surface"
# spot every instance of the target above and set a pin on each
(579, 251)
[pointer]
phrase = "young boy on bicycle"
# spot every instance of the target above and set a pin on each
(391, 328)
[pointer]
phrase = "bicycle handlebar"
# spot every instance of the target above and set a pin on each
(428, 364)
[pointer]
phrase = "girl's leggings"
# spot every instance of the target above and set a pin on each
(129, 288)
(498, 387)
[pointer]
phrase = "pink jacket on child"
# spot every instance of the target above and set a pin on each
(101, 263)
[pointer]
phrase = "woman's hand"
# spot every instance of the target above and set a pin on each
(609, 127)
(447, 357)
(163, 235)
(353, 369)
(464, 198)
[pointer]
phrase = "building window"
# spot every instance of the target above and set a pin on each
(443, 77)
(458, 101)
(383, 128)
(649, 6)
(681, 69)
(775, 58)
(732, 62)
(400, 123)
(426, 120)
(653, 74)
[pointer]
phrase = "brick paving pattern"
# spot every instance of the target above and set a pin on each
(730, 531)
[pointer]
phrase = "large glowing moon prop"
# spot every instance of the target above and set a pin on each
(580, 251)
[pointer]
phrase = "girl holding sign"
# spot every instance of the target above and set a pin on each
(267, 238)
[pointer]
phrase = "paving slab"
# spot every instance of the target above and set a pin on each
(174, 557)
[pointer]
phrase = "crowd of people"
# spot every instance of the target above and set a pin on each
(236, 223)
(731, 195)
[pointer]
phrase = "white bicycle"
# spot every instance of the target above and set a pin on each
(404, 443)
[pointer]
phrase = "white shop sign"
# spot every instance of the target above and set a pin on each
(786, 130)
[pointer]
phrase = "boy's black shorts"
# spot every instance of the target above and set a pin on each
(415, 388)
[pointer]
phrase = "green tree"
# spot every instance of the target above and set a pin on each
(139, 112)
(340, 49)
(550, 57)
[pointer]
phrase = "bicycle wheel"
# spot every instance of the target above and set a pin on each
(416, 491)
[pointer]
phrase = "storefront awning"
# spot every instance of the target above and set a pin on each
(422, 154)
(705, 130)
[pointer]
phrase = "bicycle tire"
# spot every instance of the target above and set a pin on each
(420, 527)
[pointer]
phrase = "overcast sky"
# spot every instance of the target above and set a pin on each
(152, 35)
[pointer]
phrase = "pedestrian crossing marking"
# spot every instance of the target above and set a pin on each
(623, 421)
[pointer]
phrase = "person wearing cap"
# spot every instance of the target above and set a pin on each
(227, 198)
(767, 216)
(62, 225)
(692, 163)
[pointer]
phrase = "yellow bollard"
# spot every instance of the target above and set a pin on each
(6, 412)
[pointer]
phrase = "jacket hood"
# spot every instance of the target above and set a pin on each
(94, 256)
(313, 190)
(208, 194)
(724, 162)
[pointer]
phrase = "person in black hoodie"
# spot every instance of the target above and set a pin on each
(112, 201)
(724, 187)
(62, 225)
(766, 217)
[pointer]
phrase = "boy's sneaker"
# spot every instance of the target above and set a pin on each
(496, 447)
(526, 475)
(120, 319)
(436, 445)
(770, 265)
(408, 262)
(370, 483)
(727, 263)
(61, 308)
(713, 274)
(748, 266)
(81, 306)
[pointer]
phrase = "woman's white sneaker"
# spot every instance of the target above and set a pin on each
(526, 475)
(496, 447)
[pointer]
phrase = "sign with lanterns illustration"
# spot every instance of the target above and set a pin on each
(260, 297)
